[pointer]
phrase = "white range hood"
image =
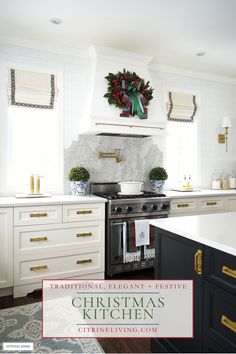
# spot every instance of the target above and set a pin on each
(100, 118)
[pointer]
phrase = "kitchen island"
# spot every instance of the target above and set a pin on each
(202, 248)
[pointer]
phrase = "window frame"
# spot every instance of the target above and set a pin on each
(4, 66)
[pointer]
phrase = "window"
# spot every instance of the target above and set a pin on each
(182, 152)
(32, 144)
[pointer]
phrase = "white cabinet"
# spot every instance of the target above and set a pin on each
(196, 205)
(57, 241)
(184, 206)
(36, 215)
(6, 247)
(231, 204)
(211, 205)
(78, 212)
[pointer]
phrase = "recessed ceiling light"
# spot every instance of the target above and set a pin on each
(56, 20)
(201, 54)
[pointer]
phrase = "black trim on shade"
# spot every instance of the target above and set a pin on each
(177, 119)
(13, 92)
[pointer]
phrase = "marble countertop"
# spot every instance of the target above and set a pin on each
(55, 199)
(200, 193)
(214, 230)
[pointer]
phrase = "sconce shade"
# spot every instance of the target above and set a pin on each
(226, 122)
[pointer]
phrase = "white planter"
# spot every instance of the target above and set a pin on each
(130, 187)
(78, 187)
(157, 185)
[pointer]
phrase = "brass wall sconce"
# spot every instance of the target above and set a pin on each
(116, 155)
(223, 138)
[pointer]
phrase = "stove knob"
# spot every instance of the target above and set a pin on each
(165, 206)
(154, 207)
(129, 209)
(118, 210)
(144, 207)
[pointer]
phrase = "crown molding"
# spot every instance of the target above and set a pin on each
(119, 54)
(192, 73)
(44, 46)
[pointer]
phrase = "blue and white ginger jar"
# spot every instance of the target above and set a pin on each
(157, 185)
(78, 187)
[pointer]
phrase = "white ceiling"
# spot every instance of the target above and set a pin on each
(172, 31)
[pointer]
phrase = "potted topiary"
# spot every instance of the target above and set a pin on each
(79, 177)
(157, 177)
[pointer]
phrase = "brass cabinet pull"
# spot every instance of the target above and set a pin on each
(84, 234)
(43, 267)
(84, 211)
(225, 321)
(198, 262)
(38, 215)
(84, 261)
(211, 203)
(38, 239)
(228, 271)
(185, 205)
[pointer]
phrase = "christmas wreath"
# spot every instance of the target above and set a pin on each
(128, 91)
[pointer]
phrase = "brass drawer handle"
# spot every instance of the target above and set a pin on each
(43, 267)
(38, 215)
(225, 321)
(229, 272)
(84, 261)
(38, 239)
(183, 205)
(198, 262)
(84, 211)
(84, 234)
(211, 203)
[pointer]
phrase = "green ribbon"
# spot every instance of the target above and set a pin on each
(136, 104)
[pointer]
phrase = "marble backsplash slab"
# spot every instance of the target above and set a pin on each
(139, 155)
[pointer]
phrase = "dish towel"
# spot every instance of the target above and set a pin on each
(149, 251)
(142, 236)
(131, 253)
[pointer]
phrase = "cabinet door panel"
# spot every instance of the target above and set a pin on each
(37, 215)
(231, 204)
(83, 212)
(184, 206)
(209, 205)
(176, 261)
(220, 316)
(6, 247)
(220, 269)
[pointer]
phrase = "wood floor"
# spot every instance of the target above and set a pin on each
(109, 345)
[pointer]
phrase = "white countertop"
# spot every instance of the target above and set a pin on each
(69, 199)
(201, 193)
(214, 230)
(55, 199)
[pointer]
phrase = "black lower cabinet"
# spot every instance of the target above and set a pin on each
(220, 317)
(176, 260)
(214, 281)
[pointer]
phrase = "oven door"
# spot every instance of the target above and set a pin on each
(114, 239)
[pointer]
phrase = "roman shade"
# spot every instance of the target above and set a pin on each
(31, 89)
(181, 107)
